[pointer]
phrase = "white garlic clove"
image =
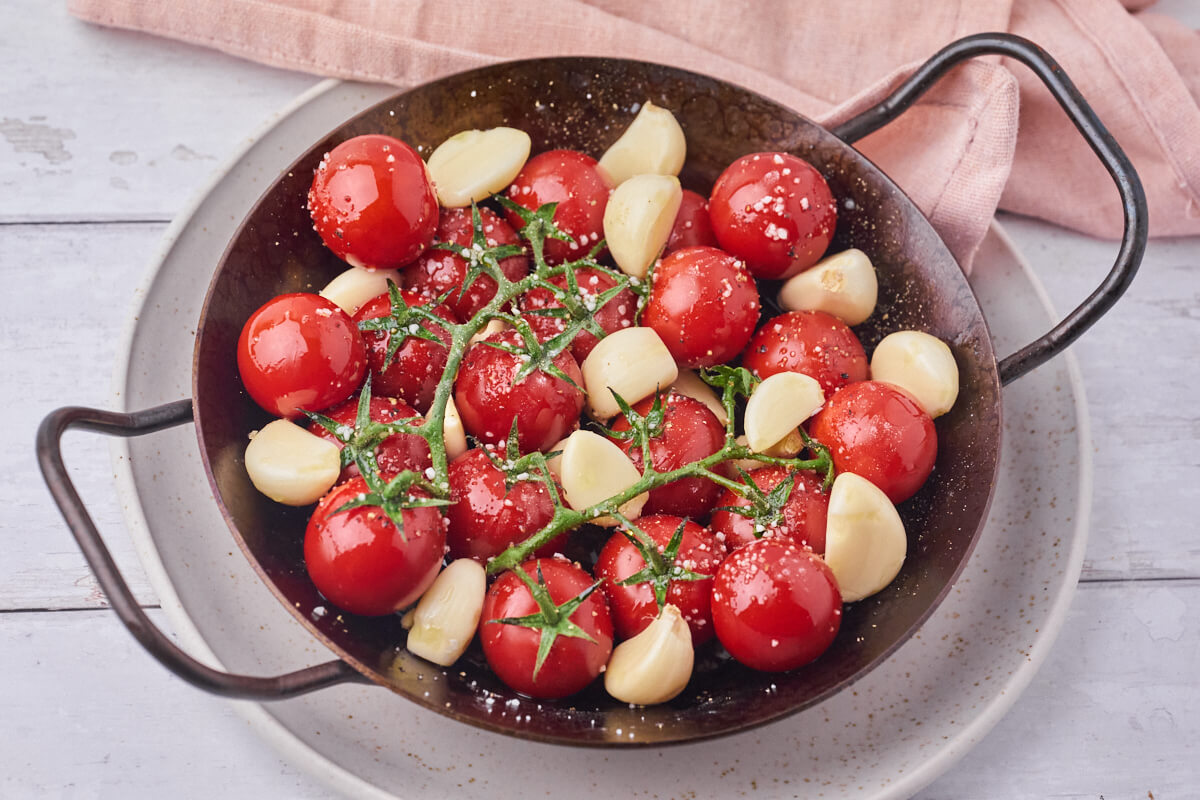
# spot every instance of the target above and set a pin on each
(690, 384)
(843, 284)
(453, 433)
(633, 362)
(777, 407)
(655, 665)
(473, 165)
(555, 464)
(746, 464)
(653, 144)
(290, 465)
(447, 615)
(638, 220)
(920, 364)
(865, 543)
(493, 326)
(593, 469)
(354, 287)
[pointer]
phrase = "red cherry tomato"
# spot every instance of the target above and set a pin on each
(692, 227)
(878, 432)
(300, 352)
(803, 514)
(690, 432)
(360, 561)
(775, 211)
(634, 607)
(416, 368)
(617, 313)
(811, 342)
(545, 406)
(703, 304)
(396, 453)
(372, 203)
(570, 179)
(511, 650)
(776, 606)
(486, 516)
(438, 271)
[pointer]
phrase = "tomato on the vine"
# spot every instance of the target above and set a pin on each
(619, 312)
(397, 452)
(415, 367)
(801, 517)
(692, 227)
(810, 342)
(569, 178)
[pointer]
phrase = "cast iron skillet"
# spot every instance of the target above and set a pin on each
(584, 103)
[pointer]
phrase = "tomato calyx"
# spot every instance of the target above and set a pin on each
(551, 619)
(361, 442)
(480, 257)
(538, 226)
(641, 428)
(518, 468)
(403, 322)
(766, 509)
(534, 356)
(407, 490)
(662, 567)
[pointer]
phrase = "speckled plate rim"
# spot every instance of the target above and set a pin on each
(289, 745)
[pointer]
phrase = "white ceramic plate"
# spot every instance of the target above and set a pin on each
(886, 737)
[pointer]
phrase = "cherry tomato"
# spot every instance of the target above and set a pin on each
(690, 432)
(372, 203)
(511, 650)
(545, 406)
(634, 607)
(692, 227)
(811, 342)
(486, 516)
(617, 313)
(775, 211)
(703, 304)
(878, 432)
(416, 367)
(360, 560)
(300, 352)
(396, 453)
(438, 271)
(803, 515)
(570, 179)
(775, 605)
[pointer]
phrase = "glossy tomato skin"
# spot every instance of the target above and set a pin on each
(634, 607)
(439, 271)
(396, 453)
(776, 606)
(570, 179)
(416, 368)
(359, 560)
(372, 202)
(487, 517)
(804, 514)
(300, 352)
(810, 342)
(545, 406)
(775, 211)
(878, 432)
(690, 432)
(511, 650)
(692, 227)
(617, 313)
(703, 304)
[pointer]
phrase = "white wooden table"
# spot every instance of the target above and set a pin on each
(105, 136)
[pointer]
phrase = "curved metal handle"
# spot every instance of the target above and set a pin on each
(49, 453)
(1133, 198)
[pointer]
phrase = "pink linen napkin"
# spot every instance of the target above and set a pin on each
(959, 153)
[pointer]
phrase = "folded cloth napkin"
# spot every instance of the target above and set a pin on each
(959, 153)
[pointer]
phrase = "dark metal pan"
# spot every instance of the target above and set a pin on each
(583, 103)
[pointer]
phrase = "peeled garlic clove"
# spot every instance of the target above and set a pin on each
(354, 287)
(633, 362)
(448, 613)
(843, 284)
(777, 407)
(655, 665)
(453, 434)
(865, 543)
(593, 470)
(746, 464)
(638, 220)
(290, 465)
(690, 384)
(921, 365)
(653, 144)
(555, 464)
(492, 326)
(473, 165)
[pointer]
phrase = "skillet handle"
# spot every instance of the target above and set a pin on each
(1133, 198)
(49, 453)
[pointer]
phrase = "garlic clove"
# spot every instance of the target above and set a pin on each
(777, 407)
(653, 144)
(920, 364)
(473, 165)
(843, 284)
(633, 362)
(290, 465)
(555, 464)
(638, 220)
(593, 469)
(690, 384)
(492, 326)
(865, 543)
(654, 666)
(447, 615)
(453, 433)
(354, 287)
